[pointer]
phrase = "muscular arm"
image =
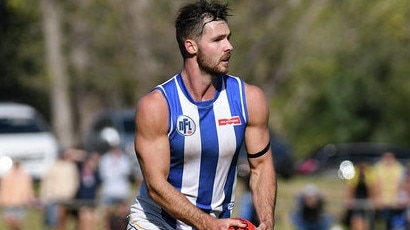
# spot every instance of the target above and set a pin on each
(262, 177)
(153, 152)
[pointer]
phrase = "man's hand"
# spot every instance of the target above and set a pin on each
(227, 224)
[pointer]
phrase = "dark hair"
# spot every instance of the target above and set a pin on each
(193, 17)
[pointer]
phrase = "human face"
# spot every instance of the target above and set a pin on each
(214, 50)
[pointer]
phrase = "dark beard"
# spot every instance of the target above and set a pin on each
(205, 65)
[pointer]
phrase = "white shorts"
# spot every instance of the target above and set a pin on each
(146, 216)
(17, 213)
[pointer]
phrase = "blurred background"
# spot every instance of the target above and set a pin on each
(334, 72)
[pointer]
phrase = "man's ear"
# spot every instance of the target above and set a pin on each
(191, 46)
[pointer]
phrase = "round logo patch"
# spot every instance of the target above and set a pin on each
(185, 125)
(231, 206)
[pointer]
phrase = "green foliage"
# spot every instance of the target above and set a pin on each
(21, 55)
(349, 77)
(333, 71)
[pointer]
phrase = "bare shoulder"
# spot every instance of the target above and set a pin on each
(256, 99)
(152, 109)
(151, 101)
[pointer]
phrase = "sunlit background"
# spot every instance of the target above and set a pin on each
(334, 72)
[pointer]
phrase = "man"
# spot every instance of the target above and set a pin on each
(16, 194)
(310, 213)
(389, 174)
(189, 131)
(58, 188)
(115, 170)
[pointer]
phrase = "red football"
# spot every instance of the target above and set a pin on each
(249, 226)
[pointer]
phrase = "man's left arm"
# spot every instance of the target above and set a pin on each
(262, 174)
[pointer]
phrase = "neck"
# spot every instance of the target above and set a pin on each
(200, 85)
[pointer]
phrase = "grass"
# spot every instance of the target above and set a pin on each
(331, 187)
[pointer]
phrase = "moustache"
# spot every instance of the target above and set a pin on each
(226, 57)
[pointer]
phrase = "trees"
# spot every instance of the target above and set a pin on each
(21, 56)
(350, 74)
(57, 72)
(334, 71)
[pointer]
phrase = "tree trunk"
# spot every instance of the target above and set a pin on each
(59, 88)
(84, 104)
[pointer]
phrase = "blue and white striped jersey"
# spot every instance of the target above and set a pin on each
(205, 138)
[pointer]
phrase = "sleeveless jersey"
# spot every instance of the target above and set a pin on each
(205, 138)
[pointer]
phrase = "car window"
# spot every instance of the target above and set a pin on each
(102, 123)
(129, 126)
(11, 125)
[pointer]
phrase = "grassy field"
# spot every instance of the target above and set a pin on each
(332, 188)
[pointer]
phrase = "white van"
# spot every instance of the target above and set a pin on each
(25, 137)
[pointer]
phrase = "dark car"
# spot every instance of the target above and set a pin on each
(108, 126)
(113, 127)
(332, 159)
(282, 154)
